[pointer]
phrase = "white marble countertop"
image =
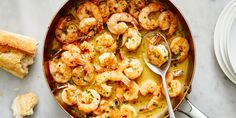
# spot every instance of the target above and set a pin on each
(211, 92)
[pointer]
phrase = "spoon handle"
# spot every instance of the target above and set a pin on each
(172, 115)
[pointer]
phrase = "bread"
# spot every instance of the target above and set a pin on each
(23, 105)
(16, 53)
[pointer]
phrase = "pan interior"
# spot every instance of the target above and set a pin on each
(187, 66)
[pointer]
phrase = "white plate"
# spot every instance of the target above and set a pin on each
(219, 35)
(226, 24)
(231, 44)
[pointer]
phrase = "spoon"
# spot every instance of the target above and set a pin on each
(162, 71)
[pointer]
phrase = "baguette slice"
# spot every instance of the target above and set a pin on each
(23, 105)
(16, 53)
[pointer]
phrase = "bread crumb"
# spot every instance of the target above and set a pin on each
(23, 105)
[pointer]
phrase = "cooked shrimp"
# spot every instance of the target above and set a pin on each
(154, 40)
(131, 39)
(131, 92)
(87, 24)
(112, 76)
(120, 92)
(174, 86)
(136, 6)
(83, 75)
(152, 104)
(105, 43)
(131, 67)
(108, 108)
(72, 55)
(179, 47)
(99, 68)
(102, 78)
(69, 94)
(167, 20)
(60, 72)
(108, 60)
(116, 23)
(102, 108)
(145, 21)
(157, 55)
(117, 6)
(172, 74)
(88, 100)
(128, 111)
(104, 90)
(104, 9)
(150, 87)
(88, 51)
(89, 7)
(67, 30)
(104, 115)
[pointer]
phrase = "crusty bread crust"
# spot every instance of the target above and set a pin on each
(18, 41)
(16, 53)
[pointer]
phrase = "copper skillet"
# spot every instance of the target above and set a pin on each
(193, 112)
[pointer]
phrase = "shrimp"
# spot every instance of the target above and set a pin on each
(102, 108)
(108, 108)
(150, 87)
(117, 6)
(102, 78)
(69, 95)
(112, 76)
(128, 111)
(67, 30)
(83, 75)
(60, 72)
(134, 39)
(158, 55)
(120, 92)
(104, 9)
(87, 24)
(152, 104)
(108, 60)
(104, 90)
(145, 21)
(179, 47)
(131, 67)
(88, 51)
(89, 7)
(88, 100)
(172, 74)
(136, 6)
(105, 43)
(131, 92)
(167, 20)
(116, 23)
(174, 86)
(72, 55)
(154, 40)
(127, 93)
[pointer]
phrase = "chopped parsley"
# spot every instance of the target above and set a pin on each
(175, 56)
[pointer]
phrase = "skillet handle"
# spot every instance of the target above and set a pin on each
(190, 110)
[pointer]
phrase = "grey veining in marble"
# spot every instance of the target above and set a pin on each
(211, 92)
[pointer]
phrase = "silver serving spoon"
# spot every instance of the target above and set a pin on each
(162, 71)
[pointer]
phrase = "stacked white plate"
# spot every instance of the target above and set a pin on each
(225, 40)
